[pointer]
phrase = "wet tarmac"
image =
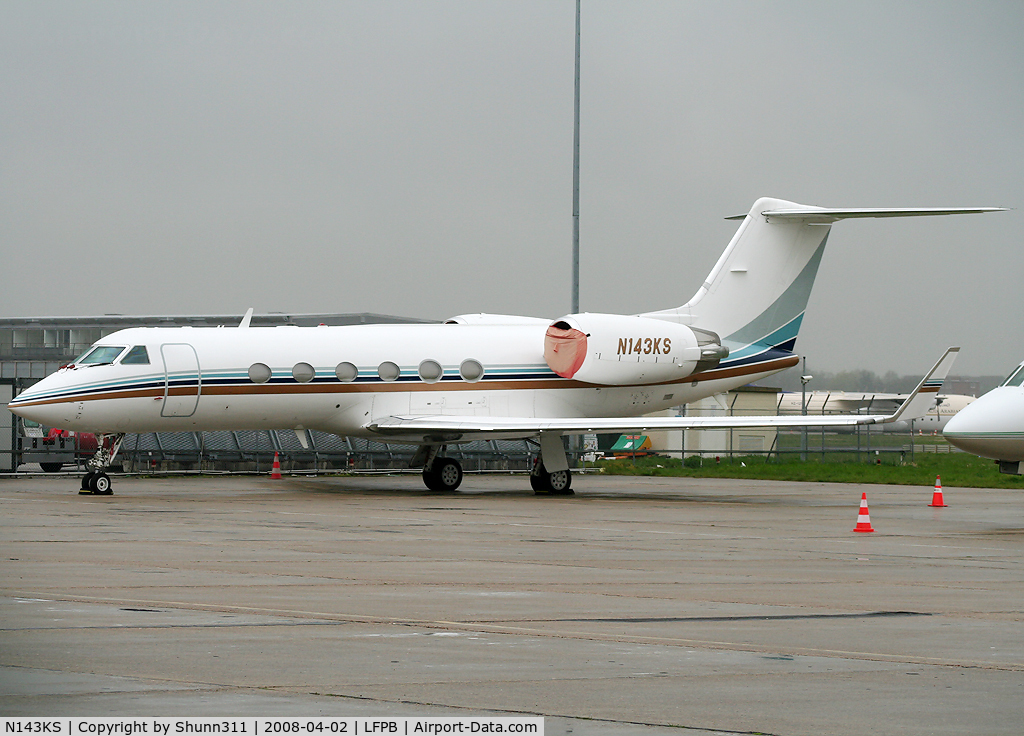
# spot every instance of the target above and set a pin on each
(637, 606)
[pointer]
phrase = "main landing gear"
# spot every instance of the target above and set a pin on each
(550, 484)
(440, 473)
(551, 475)
(95, 481)
(444, 475)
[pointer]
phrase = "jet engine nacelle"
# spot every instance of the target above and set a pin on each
(618, 350)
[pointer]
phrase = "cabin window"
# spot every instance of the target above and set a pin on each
(346, 372)
(259, 373)
(138, 355)
(1016, 378)
(430, 371)
(303, 372)
(101, 355)
(388, 371)
(471, 370)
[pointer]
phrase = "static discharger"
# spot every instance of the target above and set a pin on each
(937, 495)
(863, 518)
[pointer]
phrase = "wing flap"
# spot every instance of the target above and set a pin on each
(452, 425)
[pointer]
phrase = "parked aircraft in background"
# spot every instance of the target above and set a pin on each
(842, 402)
(993, 426)
(477, 376)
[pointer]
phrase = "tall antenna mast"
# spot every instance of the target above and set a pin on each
(576, 180)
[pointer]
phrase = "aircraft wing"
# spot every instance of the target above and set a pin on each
(454, 428)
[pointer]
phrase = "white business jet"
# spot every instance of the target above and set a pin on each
(476, 376)
(993, 426)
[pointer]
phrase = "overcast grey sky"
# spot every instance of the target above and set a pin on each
(415, 158)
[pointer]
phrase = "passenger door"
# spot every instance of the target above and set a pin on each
(182, 380)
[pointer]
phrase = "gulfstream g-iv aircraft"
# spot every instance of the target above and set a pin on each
(475, 376)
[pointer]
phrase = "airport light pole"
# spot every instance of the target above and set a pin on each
(575, 307)
(804, 380)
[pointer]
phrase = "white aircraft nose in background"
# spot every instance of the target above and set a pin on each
(993, 426)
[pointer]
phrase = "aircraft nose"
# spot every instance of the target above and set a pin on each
(992, 426)
(987, 414)
(38, 404)
(962, 421)
(49, 415)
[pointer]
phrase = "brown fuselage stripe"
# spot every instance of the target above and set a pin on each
(264, 389)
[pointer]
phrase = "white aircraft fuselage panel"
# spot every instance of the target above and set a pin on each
(210, 379)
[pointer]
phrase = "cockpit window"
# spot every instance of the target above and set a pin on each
(101, 355)
(1016, 378)
(138, 355)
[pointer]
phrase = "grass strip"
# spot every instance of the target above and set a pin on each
(956, 469)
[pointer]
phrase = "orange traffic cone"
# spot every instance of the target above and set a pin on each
(863, 518)
(276, 472)
(937, 495)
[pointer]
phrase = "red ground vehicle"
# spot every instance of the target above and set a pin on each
(56, 448)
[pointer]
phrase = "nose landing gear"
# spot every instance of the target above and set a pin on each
(95, 481)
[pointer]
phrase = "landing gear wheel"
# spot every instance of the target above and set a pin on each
(445, 475)
(551, 484)
(96, 481)
(430, 481)
(560, 483)
(51, 467)
(100, 484)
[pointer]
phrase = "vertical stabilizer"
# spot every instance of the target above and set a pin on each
(755, 296)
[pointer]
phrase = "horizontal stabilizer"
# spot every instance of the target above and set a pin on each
(826, 215)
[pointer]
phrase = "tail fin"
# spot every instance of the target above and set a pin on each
(755, 296)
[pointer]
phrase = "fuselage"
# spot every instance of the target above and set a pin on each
(341, 379)
(992, 426)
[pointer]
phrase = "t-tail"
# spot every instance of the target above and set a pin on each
(755, 296)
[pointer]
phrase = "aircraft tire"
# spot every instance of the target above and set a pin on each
(446, 475)
(449, 473)
(561, 483)
(51, 467)
(99, 484)
(86, 488)
(551, 484)
(430, 481)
